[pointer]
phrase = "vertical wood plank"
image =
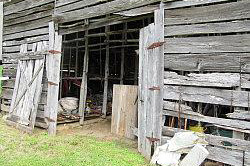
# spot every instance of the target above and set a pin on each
(124, 113)
(84, 84)
(141, 119)
(151, 68)
(106, 80)
(158, 76)
(53, 74)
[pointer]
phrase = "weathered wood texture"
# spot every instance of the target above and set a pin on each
(53, 74)
(211, 13)
(27, 93)
(97, 10)
(150, 86)
(211, 44)
(223, 80)
(210, 62)
(124, 110)
(212, 39)
(25, 22)
(172, 109)
(207, 95)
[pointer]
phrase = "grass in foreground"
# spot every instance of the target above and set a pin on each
(17, 149)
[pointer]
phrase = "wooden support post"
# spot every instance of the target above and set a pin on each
(105, 92)
(53, 63)
(1, 30)
(84, 85)
(124, 38)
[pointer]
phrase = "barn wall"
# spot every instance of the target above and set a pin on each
(207, 70)
(25, 22)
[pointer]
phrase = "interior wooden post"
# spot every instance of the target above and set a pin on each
(84, 85)
(105, 93)
(124, 38)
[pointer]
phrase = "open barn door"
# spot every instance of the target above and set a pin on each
(151, 68)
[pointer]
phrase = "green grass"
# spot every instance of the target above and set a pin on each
(17, 149)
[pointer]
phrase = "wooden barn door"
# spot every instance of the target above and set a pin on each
(151, 67)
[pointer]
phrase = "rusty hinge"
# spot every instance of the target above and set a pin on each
(154, 88)
(155, 45)
(55, 52)
(153, 140)
(52, 83)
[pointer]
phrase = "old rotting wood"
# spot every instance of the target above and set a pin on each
(211, 44)
(242, 115)
(189, 114)
(28, 4)
(150, 75)
(26, 94)
(212, 13)
(53, 74)
(83, 91)
(207, 95)
(224, 80)
(210, 62)
(102, 9)
(106, 80)
(208, 28)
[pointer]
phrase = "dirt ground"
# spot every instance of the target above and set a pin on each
(98, 128)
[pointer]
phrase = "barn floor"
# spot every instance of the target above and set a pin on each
(90, 145)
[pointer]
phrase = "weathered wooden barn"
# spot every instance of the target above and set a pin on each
(190, 60)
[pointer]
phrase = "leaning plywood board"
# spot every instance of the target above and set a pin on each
(124, 110)
(26, 95)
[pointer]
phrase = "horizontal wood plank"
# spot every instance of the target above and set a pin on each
(226, 80)
(210, 62)
(76, 5)
(208, 28)
(211, 44)
(26, 26)
(101, 10)
(212, 13)
(207, 95)
(31, 33)
(237, 124)
(24, 5)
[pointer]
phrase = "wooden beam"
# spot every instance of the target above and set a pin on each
(53, 74)
(211, 44)
(101, 10)
(224, 80)
(24, 5)
(124, 37)
(106, 80)
(209, 62)
(207, 95)
(208, 13)
(84, 84)
(208, 28)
